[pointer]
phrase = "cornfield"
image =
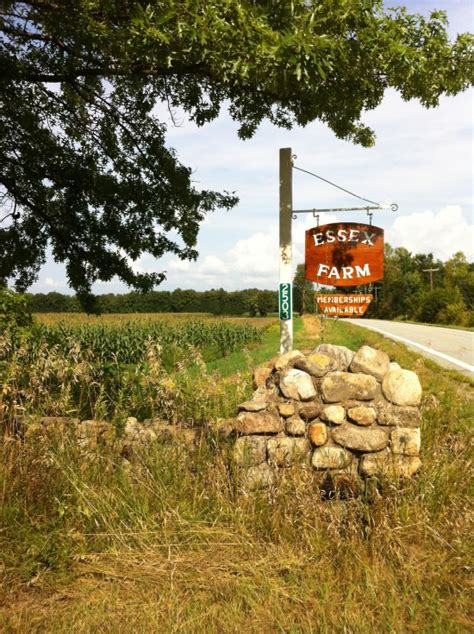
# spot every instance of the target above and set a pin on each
(125, 342)
(111, 369)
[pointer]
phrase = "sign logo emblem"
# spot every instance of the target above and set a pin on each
(344, 254)
(284, 301)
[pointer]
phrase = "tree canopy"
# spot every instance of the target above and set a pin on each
(84, 165)
(406, 292)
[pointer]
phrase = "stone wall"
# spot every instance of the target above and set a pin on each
(333, 410)
(93, 435)
(341, 412)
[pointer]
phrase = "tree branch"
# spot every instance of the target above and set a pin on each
(56, 78)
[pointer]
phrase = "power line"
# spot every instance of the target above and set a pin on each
(430, 271)
(337, 186)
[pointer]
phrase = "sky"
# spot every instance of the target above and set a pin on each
(422, 160)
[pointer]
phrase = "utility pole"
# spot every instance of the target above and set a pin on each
(430, 271)
(285, 291)
(287, 213)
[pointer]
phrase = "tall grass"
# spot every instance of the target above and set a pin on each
(126, 368)
(168, 543)
(76, 384)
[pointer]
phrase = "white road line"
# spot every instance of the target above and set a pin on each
(446, 357)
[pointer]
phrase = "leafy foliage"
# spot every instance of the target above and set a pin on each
(303, 292)
(14, 312)
(84, 164)
(405, 292)
(216, 302)
(406, 289)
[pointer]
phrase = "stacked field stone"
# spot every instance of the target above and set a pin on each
(340, 411)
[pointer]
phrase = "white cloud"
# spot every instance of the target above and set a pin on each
(180, 265)
(251, 262)
(441, 233)
(257, 253)
(212, 265)
(50, 282)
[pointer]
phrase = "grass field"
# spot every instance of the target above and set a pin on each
(169, 545)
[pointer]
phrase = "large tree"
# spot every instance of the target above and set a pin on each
(84, 166)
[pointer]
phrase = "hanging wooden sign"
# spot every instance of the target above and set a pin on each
(344, 254)
(339, 305)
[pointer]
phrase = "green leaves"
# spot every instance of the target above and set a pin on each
(14, 313)
(83, 156)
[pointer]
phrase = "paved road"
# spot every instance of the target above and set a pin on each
(450, 348)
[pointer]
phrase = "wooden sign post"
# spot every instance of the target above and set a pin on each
(285, 291)
(339, 254)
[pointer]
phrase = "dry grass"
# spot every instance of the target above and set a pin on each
(170, 545)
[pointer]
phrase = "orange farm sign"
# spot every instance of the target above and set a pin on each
(344, 254)
(340, 305)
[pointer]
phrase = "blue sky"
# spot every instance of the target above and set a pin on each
(422, 160)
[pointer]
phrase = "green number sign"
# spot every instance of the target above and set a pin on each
(284, 301)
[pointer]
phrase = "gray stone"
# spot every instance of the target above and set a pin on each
(297, 385)
(402, 387)
(265, 393)
(261, 476)
(283, 451)
(405, 441)
(362, 415)
(341, 355)
(384, 463)
(331, 458)
(54, 425)
(371, 361)
(295, 426)
(250, 450)
(335, 414)
(316, 364)
(318, 434)
(286, 409)
(374, 463)
(132, 426)
(261, 374)
(62, 422)
(287, 360)
(59, 427)
(405, 466)
(174, 434)
(139, 435)
(309, 411)
(93, 433)
(389, 414)
(253, 406)
(360, 438)
(258, 423)
(221, 427)
(343, 386)
(394, 366)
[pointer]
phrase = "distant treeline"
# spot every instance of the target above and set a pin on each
(217, 302)
(404, 293)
